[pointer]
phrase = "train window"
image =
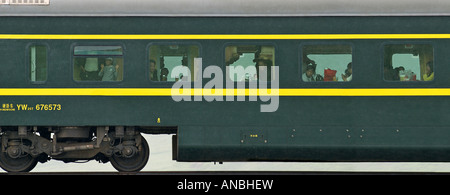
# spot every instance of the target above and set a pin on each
(408, 62)
(98, 63)
(245, 62)
(327, 63)
(38, 63)
(164, 58)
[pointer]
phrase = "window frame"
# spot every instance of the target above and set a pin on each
(100, 44)
(407, 42)
(224, 65)
(28, 61)
(300, 67)
(147, 60)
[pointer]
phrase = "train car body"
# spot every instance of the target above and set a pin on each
(56, 104)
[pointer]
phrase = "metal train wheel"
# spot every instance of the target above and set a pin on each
(136, 162)
(13, 160)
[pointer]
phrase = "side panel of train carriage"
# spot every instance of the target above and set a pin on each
(390, 110)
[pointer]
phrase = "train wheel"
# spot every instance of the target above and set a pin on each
(13, 160)
(134, 162)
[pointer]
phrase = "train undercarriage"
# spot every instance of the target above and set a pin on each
(23, 147)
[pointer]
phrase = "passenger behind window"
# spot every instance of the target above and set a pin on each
(108, 72)
(89, 71)
(429, 74)
(348, 73)
(398, 70)
(310, 74)
(153, 71)
(266, 64)
(164, 74)
(231, 55)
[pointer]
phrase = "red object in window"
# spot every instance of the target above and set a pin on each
(329, 75)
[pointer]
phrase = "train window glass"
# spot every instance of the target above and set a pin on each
(245, 62)
(408, 62)
(98, 63)
(164, 58)
(38, 63)
(327, 63)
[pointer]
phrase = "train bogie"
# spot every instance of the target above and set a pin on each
(24, 146)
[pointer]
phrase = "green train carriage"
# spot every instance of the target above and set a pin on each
(57, 103)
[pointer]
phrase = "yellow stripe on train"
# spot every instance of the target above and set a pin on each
(225, 36)
(223, 92)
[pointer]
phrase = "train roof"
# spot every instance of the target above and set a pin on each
(181, 8)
